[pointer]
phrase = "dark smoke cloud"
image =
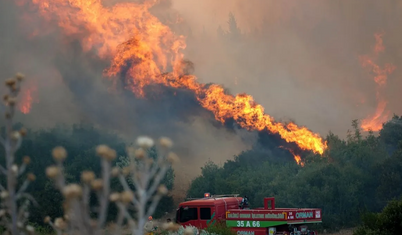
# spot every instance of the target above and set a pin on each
(157, 114)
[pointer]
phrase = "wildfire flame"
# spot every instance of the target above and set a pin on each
(298, 160)
(27, 99)
(374, 122)
(138, 43)
(297, 157)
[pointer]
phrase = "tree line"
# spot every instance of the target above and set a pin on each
(355, 176)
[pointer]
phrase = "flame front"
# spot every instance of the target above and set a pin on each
(381, 115)
(137, 43)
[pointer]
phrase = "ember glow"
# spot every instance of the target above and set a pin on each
(138, 43)
(374, 122)
(27, 99)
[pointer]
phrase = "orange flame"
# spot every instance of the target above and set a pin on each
(138, 43)
(27, 99)
(295, 156)
(374, 122)
(298, 160)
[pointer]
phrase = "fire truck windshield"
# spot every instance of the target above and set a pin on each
(187, 214)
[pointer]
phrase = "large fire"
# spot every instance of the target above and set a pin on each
(374, 122)
(138, 43)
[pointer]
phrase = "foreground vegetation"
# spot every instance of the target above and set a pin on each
(357, 175)
(80, 141)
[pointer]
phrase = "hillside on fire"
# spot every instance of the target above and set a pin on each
(115, 112)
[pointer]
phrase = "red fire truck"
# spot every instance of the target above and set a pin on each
(206, 211)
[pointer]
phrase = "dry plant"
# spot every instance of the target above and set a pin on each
(145, 172)
(14, 200)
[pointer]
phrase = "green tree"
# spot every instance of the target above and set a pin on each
(388, 222)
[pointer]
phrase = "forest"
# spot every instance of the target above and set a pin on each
(354, 177)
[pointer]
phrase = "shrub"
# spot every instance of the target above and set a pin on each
(221, 229)
(388, 222)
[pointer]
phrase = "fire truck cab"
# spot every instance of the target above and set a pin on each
(206, 211)
(202, 212)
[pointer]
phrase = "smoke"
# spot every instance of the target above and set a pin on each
(21, 52)
(299, 59)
